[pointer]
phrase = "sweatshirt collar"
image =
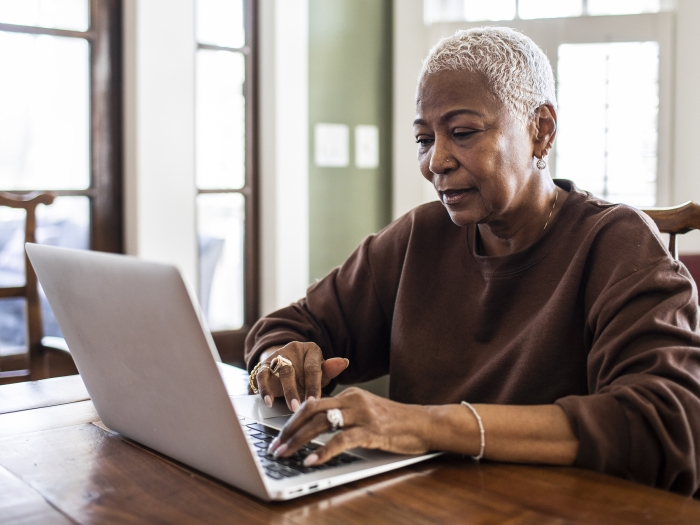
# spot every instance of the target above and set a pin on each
(538, 250)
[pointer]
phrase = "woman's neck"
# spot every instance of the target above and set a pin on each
(519, 228)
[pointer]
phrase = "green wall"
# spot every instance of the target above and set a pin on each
(349, 83)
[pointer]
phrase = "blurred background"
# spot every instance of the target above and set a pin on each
(255, 143)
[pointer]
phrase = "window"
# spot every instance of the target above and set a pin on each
(60, 130)
(479, 10)
(225, 170)
(608, 103)
(613, 85)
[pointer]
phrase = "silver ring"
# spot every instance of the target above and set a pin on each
(335, 418)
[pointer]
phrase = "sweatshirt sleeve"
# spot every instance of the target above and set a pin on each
(641, 419)
(348, 313)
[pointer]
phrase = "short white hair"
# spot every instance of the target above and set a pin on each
(515, 68)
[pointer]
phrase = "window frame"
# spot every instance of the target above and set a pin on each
(104, 38)
(230, 343)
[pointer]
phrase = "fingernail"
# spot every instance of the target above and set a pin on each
(347, 362)
(311, 398)
(273, 446)
(268, 401)
(280, 450)
(295, 405)
(311, 459)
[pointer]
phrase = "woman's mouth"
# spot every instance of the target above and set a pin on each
(452, 197)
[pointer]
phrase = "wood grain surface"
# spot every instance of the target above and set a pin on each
(38, 394)
(93, 476)
(19, 503)
(38, 419)
(56, 467)
(676, 219)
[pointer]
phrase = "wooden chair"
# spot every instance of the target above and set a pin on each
(40, 359)
(675, 220)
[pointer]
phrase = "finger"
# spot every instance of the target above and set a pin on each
(332, 368)
(312, 374)
(287, 376)
(263, 379)
(317, 425)
(342, 441)
(307, 411)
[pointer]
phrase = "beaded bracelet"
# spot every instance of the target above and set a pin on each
(481, 431)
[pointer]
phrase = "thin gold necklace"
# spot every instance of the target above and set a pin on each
(556, 196)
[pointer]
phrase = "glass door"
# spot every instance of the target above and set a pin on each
(225, 170)
(613, 76)
(60, 132)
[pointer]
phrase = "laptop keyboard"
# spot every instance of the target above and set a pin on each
(280, 468)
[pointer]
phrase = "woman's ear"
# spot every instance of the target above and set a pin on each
(545, 129)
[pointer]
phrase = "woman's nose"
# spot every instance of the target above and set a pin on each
(441, 161)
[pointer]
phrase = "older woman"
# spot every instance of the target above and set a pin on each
(561, 318)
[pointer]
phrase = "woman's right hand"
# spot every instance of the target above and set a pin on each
(302, 380)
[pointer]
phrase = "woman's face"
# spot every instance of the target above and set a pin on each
(474, 152)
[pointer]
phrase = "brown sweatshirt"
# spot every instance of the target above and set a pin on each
(594, 316)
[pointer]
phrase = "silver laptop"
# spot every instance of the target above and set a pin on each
(149, 363)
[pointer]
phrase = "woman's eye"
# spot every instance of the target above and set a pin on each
(463, 134)
(423, 141)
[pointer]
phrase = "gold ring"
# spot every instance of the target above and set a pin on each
(277, 363)
(253, 379)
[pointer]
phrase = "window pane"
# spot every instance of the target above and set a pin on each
(608, 116)
(622, 7)
(11, 247)
(13, 326)
(470, 10)
(220, 120)
(443, 11)
(492, 10)
(549, 8)
(220, 228)
(220, 22)
(60, 14)
(44, 112)
(65, 223)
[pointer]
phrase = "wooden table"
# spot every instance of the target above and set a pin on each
(58, 465)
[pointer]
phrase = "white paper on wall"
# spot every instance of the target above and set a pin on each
(366, 147)
(331, 145)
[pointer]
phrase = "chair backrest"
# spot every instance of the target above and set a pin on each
(30, 290)
(675, 220)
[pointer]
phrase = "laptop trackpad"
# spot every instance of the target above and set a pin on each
(276, 416)
(277, 422)
(252, 407)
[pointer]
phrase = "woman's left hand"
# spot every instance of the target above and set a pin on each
(369, 421)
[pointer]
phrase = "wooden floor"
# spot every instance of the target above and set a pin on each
(58, 464)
